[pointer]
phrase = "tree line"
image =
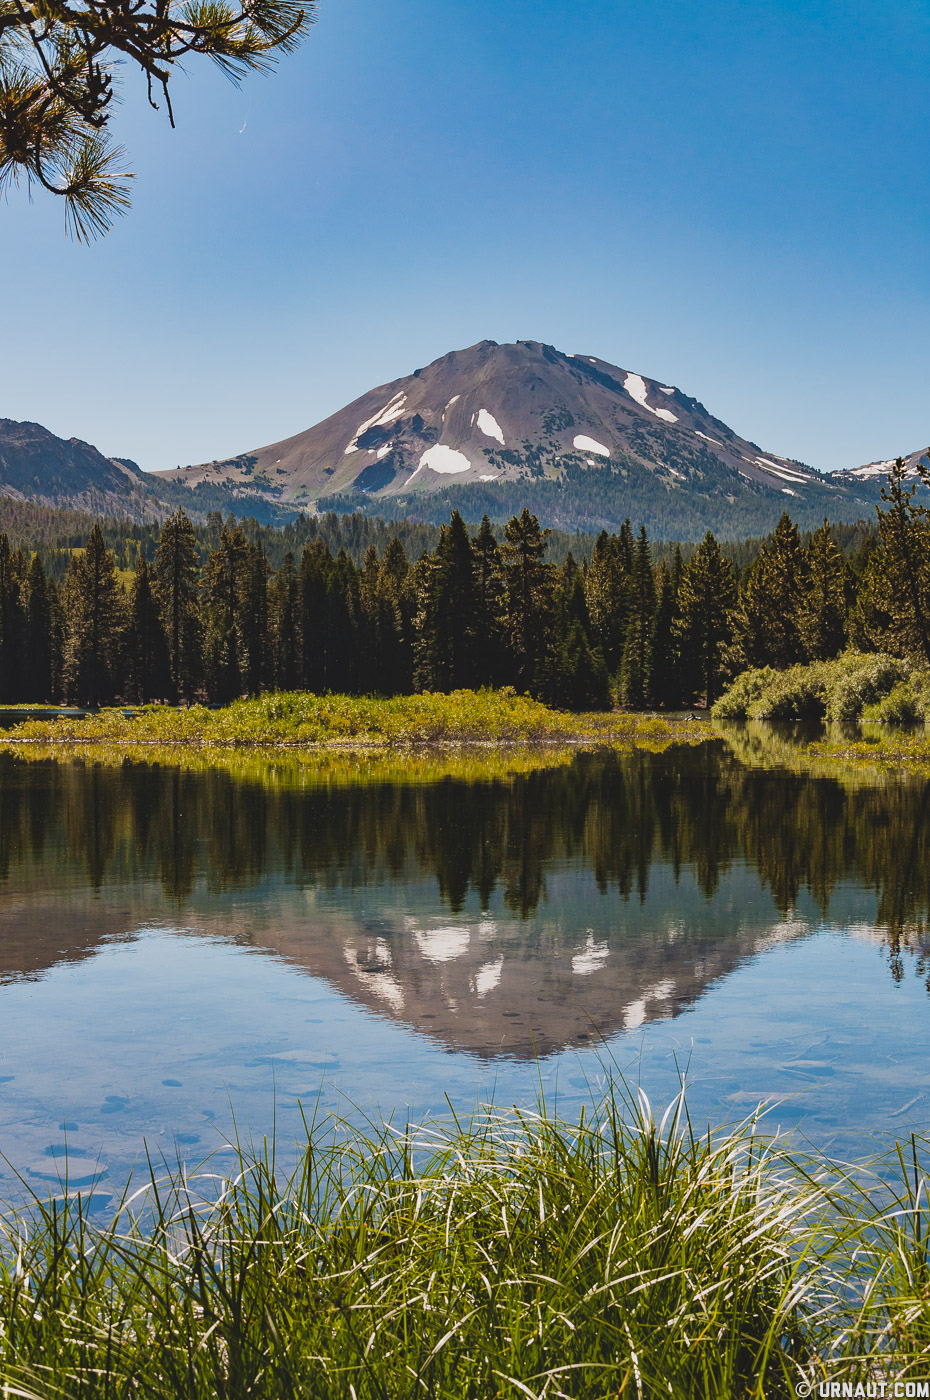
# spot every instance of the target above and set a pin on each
(474, 610)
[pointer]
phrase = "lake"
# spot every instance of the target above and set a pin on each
(183, 949)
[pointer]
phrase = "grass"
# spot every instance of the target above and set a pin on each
(299, 719)
(513, 1256)
(875, 751)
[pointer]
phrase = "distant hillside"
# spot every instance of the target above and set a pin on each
(579, 441)
(37, 466)
(875, 472)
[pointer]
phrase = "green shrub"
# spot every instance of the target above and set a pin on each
(907, 703)
(861, 681)
(840, 690)
(799, 693)
(745, 690)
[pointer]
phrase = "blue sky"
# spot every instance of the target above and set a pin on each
(731, 197)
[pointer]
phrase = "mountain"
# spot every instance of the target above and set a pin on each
(578, 440)
(35, 465)
(38, 467)
(493, 428)
(876, 471)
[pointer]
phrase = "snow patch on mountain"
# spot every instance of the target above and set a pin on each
(635, 385)
(873, 469)
(588, 444)
(443, 459)
(777, 469)
(489, 425)
(698, 433)
(386, 415)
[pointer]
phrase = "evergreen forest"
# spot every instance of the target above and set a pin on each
(211, 613)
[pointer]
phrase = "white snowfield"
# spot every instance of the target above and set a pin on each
(383, 451)
(776, 468)
(635, 386)
(380, 419)
(445, 460)
(698, 433)
(664, 390)
(873, 469)
(488, 476)
(489, 425)
(588, 444)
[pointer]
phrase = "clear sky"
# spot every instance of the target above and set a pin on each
(731, 196)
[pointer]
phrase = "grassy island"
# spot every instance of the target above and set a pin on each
(517, 1256)
(295, 719)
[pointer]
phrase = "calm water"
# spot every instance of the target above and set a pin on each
(176, 946)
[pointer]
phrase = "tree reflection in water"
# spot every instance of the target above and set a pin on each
(616, 818)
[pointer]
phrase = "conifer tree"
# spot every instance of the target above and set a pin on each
(253, 619)
(772, 598)
(375, 625)
(222, 594)
(95, 620)
(826, 602)
(528, 582)
(446, 612)
(149, 674)
(396, 609)
(573, 675)
(12, 625)
(316, 565)
(898, 577)
(607, 588)
(342, 621)
(706, 601)
(284, 609)
(636, 667)
(489, 605)
(664, 677)
(175, 575)
(42, 663)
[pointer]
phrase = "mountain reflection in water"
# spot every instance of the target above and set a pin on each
(573, 901)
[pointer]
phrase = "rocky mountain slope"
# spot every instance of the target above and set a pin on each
(35, 465)
(876, 471)
(582, 442)
(38, 467)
